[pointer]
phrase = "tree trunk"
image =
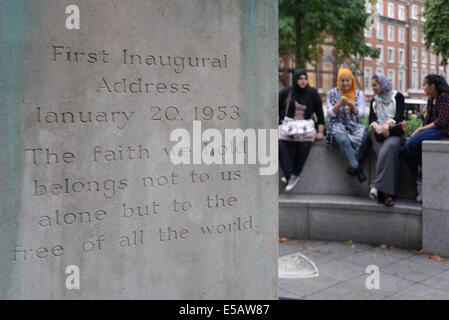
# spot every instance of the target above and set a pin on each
(300, 62)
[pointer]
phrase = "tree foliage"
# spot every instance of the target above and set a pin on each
(436, 27)
(306, 25)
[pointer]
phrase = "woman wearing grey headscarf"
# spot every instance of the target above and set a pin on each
(386, 111)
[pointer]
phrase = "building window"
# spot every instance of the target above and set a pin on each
(414, 54)
(368, 57)
(380, 70)
(423, 75)
(401, 57)
(423, 39)
(401, 13)
(414, 34)
(391, 54)
(367, 79)
(391, 33)
(390, 76)
(390, 10)
(433, 58)
(401, 80)
(433, 71)
(368, 6)
(380, 7)
(423, 55)
(368, 32)
(415, 12)
(381, 53)
(380, 31)
(422, 15)
(414, 79)
(401, 32)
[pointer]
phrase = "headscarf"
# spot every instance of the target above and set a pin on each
(386, 104)
(299, 93)
(349, 94)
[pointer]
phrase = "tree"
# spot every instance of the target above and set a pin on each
(310, 24)
(436, 27)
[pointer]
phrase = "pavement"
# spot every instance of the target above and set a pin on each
(342, 273)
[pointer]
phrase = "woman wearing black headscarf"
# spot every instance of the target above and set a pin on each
(304, 103)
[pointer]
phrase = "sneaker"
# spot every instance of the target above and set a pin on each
(361, 175)
(292, 181)
(284, 180)
(419, 190)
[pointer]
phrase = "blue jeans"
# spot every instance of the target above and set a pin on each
(348, 150)
(411, 152)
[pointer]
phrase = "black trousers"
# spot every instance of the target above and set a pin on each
(293, 156)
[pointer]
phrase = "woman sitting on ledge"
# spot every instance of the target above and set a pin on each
(386, 114)
(345, 105)
(434, 127)
(300, 102)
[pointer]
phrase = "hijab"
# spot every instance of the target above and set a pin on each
(386, 104)
(299, 93)
(349, 94)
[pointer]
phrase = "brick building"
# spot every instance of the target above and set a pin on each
(403, 56)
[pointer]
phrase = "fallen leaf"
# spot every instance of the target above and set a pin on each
(319, 251)
(393, 253)
(349, 242)
(383, 246)
(395, 274)
(301, 242)
(283, 239)
(374, 256)
(428, 298)
(418, 251)
(309, 248)
(438, 258)
(391, 247)
(317, 272)
(363, 288)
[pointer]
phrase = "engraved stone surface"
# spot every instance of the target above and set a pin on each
(85, 174)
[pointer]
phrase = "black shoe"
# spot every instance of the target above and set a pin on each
(360, 175)
(351, 171)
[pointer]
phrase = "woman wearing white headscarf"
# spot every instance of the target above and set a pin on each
(386, 113)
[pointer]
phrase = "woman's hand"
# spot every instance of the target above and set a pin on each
(417, 131)
(378, 128)
(319, 136)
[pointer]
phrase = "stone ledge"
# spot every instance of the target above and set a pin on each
(435, 146)
(404, 206)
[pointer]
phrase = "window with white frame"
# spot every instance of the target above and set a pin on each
(423, 75)
(401, 35)
(380, 70)
(368, 6)
(433, 71)
(423, 55)
(390, 10)
(368, 57)
(380, 7)
(367, 78)
(415, 79)
(422, 15)
(401, 80)
(391, 33)
(401, 56)
(423, 39)
(367, 32)
(390, 54)
(401, 13)
(414, 54)
(390, 76)
(381, 53)
(380, 31)
(414, 34)
(433, 58)
(415, 12)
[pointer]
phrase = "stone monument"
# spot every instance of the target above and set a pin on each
(92, 205)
